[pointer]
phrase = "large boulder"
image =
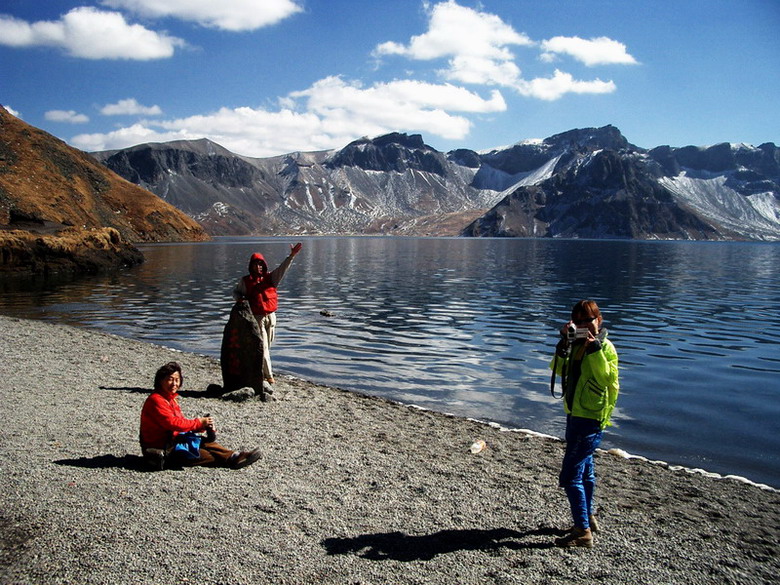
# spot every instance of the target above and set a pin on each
(241, 356)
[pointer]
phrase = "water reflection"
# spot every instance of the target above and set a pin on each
(467, 326)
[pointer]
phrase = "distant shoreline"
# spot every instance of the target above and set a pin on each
(350, 488)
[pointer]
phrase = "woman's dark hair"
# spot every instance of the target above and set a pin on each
(167, 370)
(584, 308)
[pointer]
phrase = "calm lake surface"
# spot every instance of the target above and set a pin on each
(468, 326)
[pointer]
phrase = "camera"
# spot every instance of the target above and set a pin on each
(575, 333)
(211, 434)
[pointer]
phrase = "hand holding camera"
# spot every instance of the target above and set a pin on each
(572, 334)
(211, 431)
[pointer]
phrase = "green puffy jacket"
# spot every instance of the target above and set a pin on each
(594, 392)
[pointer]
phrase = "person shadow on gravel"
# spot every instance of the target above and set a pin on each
(129, 462)
(403, 547)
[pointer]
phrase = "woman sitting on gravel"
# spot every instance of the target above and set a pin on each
(162, 423)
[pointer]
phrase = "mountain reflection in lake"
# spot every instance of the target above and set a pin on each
(468, 326)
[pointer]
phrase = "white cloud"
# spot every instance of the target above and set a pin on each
(232, 15)
(122, 138)
(458, 30)
(476, 43)
(130, 107)
(247, 131)
(598, 51)
(69, 117)
(560, 84)
(397, 105)
(334, 92)
(476, 47)
(481, 71)
(90, 34)
(329, 114)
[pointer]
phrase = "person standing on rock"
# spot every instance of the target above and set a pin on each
(259, 288)
(588, 364)
(163, 426)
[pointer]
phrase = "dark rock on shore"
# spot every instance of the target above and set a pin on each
(71, 250)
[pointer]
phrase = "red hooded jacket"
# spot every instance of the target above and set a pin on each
(261, 291)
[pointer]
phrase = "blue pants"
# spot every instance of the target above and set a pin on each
(577, 478)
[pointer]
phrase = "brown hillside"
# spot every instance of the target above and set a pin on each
(46, 184)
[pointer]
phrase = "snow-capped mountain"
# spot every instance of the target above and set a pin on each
(583, 183)
(617, 190)
(392, 184)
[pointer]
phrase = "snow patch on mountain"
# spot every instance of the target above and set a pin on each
(526, 142)
(543, 173)
(767, 205)
(713, 198)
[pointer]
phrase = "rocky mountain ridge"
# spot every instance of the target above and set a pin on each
(390, 184)
(586, 183)
(723, 192)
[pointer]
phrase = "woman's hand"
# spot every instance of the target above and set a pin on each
(295, 249)
(565, 329)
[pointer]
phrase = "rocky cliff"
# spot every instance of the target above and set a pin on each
(582, 183)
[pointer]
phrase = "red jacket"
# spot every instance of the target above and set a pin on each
(261, 294)
(161, 419)
(261, 291)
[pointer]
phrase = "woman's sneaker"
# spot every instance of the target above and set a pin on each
(577, 537)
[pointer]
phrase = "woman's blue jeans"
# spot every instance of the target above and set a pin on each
(577, 478)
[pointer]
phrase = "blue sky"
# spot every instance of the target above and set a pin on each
(268, 77)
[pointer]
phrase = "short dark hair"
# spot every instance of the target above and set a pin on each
(167, 370)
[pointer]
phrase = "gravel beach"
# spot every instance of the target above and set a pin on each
(350, 489)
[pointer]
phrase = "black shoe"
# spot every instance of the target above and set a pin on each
(155, 458)
(246, 458)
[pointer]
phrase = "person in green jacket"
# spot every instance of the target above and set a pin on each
(588, 364)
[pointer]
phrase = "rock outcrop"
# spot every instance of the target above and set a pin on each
(72, 250)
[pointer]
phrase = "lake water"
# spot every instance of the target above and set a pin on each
(468, 326)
